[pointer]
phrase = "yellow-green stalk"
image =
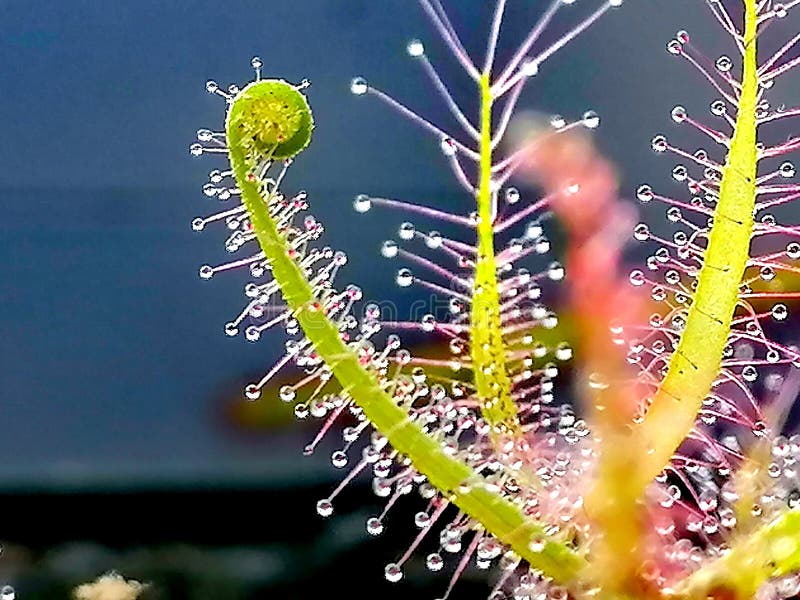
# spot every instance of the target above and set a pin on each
(493, 385)
(696, 362)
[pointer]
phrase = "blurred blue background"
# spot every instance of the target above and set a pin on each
(115, 375)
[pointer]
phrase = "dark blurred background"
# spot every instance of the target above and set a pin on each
(124, 443)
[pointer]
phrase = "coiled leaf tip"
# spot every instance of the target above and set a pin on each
(270, 119)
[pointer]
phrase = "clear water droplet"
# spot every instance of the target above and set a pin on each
(415, 48)
(252, 392)
(434, 561)
(393, 573)
(659, 143)
(362, 203)
(448, 146)
(779, 312)
(389, 249)
(404, 278)
(339, 459)
(679, 114)
(324, 508)
(287, 393)
(644, 194)
(374, 526)
(590, 119)
(406, 231)
(724, 64)
(359, 86)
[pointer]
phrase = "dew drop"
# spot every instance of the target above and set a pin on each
(252, 392)
(406, 231)
(534, 230)
(641, 232)
(389, 249)
(404, 278)
(644, 194)
(512, 195)
(434, 240)
(679, 114)
(428, 323)
(724, 64)
(362, 203)
(287, 393)
(415, 48)
(659, 143)
(718, 108)
(206, 272)
(374, 526)
(359, 86)
(590, 119)
(558, 122)
(339, 459)
(555, 271)
(448, 146)
(760, 429)
(563, 351)
(636, 278)
(674, 47)
(422, 519)
(434, 561)
(680, 173)
(779, 312)
(393, 573)
(536, 545)
(324, 508)
(542, 245)
(488, 549)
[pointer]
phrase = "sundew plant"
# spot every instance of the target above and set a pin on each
(673, 476)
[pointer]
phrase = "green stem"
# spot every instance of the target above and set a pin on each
(696, 362)
(486, 339)
(457, 482)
